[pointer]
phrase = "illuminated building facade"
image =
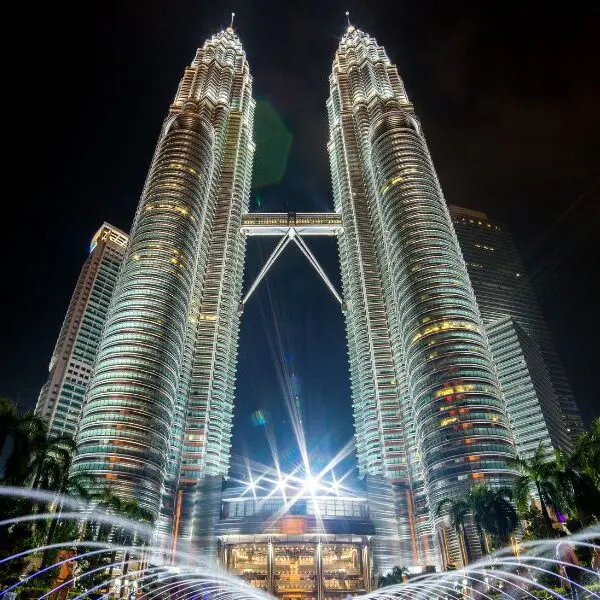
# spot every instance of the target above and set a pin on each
(156, 421)
(503, 289)
(317, 549)
(430, 418)
(530, 399)
(61, 397)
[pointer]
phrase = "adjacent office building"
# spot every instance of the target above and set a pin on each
(532, 405)
(59, 402)
(517, 328)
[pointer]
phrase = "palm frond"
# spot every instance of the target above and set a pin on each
(522, 492)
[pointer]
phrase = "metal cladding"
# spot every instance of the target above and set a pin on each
(503, 289)
(157, 416)
(419, 357)
(158, 410)
(532, 405)
(60, 400)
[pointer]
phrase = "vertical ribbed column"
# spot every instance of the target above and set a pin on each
(460, 417)
(319, 570)
(382, 410)
(123, 439)
(205, 447)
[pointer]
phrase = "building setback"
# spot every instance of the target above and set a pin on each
(430, 418)
(503, 289)
(59, 402)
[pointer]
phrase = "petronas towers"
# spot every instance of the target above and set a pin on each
(430, 420)
(158, 412)
(429, 414)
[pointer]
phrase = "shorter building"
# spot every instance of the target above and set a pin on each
(61, 397)
(532, 405)
(505, 297)
(300, 546)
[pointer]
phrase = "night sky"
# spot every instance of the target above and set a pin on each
(509, 97)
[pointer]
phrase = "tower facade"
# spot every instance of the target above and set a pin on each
(430, 419)
(156, 422)
(503, 289)
(532, 405)
(61, 397)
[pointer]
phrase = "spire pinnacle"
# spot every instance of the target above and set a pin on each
(230, 28)
(350, 26)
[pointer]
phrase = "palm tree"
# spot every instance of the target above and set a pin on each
(123, 535)
(576, 492)
(587, 452)
(396, 575)
(51, 460)
(51, 463)
(134, 512)
(106, 503)
(492, 512)
(74, 486)
(28, 433)
(536, 472)
(457, 511)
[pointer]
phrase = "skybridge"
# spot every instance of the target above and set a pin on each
(302, 223)
(292, 227)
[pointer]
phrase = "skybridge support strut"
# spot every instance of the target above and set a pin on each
(315, 263)
(287, 237)
(283, 242)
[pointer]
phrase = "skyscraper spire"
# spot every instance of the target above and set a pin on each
(350, 26)
(230, 28)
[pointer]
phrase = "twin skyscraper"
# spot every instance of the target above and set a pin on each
(430, 418)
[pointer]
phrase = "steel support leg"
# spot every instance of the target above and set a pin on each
(283, 242)
(315, 263)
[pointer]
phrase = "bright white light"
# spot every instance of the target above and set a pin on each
(311, 484)
(281, 484)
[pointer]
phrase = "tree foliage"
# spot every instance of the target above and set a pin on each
(36, 461)
(491, 510)
(396, 575)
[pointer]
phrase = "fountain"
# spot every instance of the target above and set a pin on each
(103, 555)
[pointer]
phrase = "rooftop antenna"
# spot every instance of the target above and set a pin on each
(231, 24)
(350, 27)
